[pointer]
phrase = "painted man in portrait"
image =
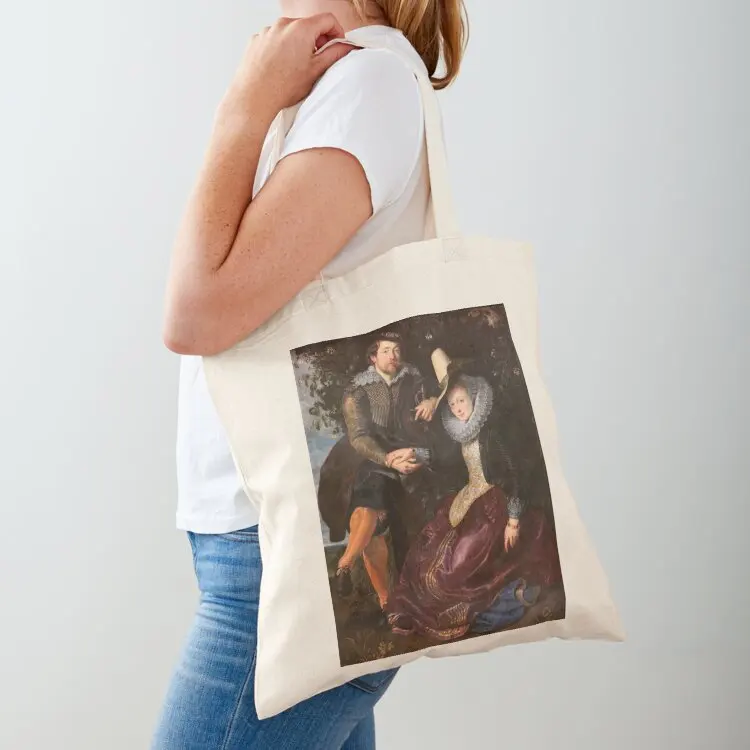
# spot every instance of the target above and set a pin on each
(369, 480)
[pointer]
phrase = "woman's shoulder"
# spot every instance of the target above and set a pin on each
(368, 104)
(375, 72)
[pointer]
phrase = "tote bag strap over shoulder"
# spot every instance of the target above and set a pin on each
(443, 210)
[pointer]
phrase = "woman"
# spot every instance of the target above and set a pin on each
(470, 567)
(351, 184)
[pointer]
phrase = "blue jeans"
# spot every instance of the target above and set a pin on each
(210, 701)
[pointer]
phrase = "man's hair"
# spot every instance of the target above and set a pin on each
(391, 336)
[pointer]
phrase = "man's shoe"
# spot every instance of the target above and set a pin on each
(343, 582)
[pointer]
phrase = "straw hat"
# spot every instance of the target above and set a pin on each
(447, 370)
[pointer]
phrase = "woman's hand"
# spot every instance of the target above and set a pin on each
(280, 66)
(512, 532)
(406, 465)
(399, 454)
(403, 460)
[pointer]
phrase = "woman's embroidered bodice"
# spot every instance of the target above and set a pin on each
(476, 486)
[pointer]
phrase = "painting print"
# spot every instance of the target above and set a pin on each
(431, 484)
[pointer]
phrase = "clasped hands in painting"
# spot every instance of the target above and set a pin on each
(404, 460)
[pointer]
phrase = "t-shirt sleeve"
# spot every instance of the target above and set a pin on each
(367, 104)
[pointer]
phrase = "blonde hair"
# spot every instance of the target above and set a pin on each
(434, 27)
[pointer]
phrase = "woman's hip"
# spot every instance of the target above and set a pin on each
(210, 701)
(228, 566)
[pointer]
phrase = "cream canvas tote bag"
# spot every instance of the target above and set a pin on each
(394, 431)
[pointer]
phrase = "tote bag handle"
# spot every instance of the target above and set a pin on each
(443, 209)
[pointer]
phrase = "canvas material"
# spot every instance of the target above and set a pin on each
(255, 393)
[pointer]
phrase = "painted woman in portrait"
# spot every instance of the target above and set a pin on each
(482, 560)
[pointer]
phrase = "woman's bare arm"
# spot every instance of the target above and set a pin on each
(231, 274)
(236, 260)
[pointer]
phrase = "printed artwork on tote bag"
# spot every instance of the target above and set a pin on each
(431, 484)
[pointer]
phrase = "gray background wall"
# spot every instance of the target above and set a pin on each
(615, 136)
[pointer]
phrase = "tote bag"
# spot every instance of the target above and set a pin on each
(320, 398)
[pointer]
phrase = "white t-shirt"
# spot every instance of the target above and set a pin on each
(367, 104)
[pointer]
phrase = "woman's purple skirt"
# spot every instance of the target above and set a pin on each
(450, 575)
